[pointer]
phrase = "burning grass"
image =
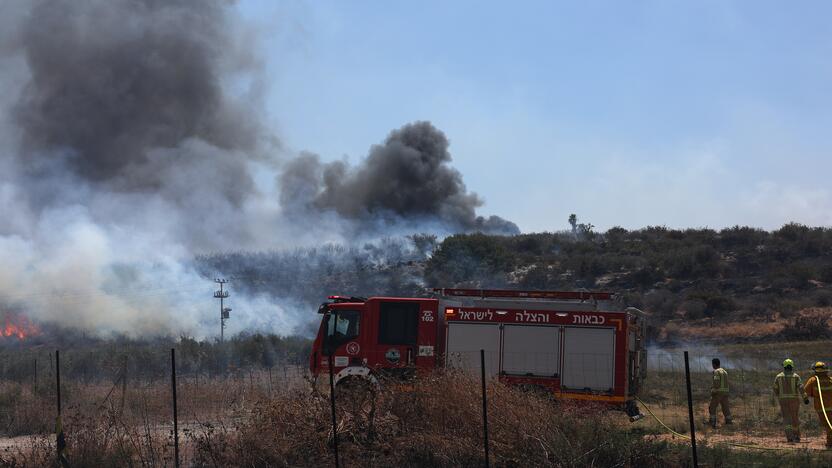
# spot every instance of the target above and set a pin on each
(14, 325)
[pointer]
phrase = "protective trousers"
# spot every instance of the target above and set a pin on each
(790, 408)
(824, 425)
(717, 400)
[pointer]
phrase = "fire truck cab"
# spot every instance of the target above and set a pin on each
(577, 345)
(366, 337)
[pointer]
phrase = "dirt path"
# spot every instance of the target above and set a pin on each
(19, 442)
(808, 441)
(25, 441)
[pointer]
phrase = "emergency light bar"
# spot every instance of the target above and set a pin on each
(346, 299)
(563, 295)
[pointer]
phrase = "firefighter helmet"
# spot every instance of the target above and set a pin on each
(819, 367)
(788, 363)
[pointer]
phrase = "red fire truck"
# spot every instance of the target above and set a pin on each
(578, 345)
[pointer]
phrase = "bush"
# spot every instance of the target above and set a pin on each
(646, 277)
(436, 422)
(661, 303)
(471, 259)
(694, 309)
(809, 324)
(716, 304)
(536, 278)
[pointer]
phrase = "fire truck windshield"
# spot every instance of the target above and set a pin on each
(344, 328)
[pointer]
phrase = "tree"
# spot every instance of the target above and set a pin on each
(573, 221)
(585, 230)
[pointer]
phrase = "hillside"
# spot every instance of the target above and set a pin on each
(697, 284)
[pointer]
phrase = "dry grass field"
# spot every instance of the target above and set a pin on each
(275, 417)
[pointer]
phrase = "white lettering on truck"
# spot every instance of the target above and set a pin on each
(531, 317)
(588, 319)
(475, 315)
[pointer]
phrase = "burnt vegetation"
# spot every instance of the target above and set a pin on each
(681, 277)
(392, 266)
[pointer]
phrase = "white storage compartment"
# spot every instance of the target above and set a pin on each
(588, 359)
(531, 350)
(465, 340)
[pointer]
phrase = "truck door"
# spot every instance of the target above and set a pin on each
(398, 329)
(342, 327)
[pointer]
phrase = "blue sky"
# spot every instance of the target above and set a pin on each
(685, 114)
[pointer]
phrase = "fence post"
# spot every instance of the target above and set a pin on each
(123, 386)
(175, 415)
(332, 390)
(60, 440)
(742, 385)
(690, 414)
(484, 407)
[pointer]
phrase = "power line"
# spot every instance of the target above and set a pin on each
(224, 311)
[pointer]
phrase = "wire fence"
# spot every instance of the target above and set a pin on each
(755, 421)
(128, 395)
(755, 414)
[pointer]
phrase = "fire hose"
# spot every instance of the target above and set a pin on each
(660, 421)
(755, 447)
(822, 406)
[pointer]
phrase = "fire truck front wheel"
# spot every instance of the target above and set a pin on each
(355, 372)
(357, 396)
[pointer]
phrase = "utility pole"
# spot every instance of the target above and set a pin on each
(224, 311)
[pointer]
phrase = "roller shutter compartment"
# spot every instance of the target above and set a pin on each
(588, 359)
(465, 340)
(531, 350)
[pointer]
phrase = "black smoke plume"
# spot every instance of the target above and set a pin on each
(407, 177)
(119, 89)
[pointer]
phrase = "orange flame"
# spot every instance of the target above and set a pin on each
(18, 326)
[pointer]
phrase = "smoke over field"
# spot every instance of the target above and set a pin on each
(407, 176)
(131, 138)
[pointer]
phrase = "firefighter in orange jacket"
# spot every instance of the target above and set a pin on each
(789, 390)
(819, 387)
(719, 394)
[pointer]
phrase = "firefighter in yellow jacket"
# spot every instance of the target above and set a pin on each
(719, 394)
(789, 391)
(819, 387)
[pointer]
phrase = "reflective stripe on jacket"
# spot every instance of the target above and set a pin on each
(788, 386)
(720, 381)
